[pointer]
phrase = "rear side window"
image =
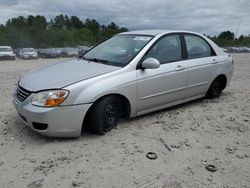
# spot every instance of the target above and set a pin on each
(197, 47)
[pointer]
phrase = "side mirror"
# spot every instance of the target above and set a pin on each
(150, 63)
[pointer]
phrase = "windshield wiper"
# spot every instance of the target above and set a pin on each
(96, 60)
(103, 61)
(99, 60)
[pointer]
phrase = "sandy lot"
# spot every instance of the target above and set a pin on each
(185, 138)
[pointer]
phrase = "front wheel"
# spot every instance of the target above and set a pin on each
(104, 115)
(215, 89)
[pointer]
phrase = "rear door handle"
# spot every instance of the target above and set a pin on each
(214, 61)
(180, 68)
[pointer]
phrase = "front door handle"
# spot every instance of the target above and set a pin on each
(180, 68)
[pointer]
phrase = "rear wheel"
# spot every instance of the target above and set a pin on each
(104, 115)
(215, 89)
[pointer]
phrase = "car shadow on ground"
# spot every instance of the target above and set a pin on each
(201, 101)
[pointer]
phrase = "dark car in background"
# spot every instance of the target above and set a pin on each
(27, 53)
(6, 53)
(49, 53)
(69, 52)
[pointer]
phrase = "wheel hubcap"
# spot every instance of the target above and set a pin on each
(110, 117)
(216, 88)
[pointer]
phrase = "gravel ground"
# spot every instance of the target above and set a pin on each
(185, 138)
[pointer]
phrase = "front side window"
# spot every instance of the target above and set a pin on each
(119, 50)
(167, 49)
(197, 47)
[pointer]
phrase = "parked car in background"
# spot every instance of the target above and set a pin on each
(16, 50)
(49, 53)
(69, 52)
(27, 53)
(83, 49)
(6, 53)
(238, 49)
(225, 50)
(131, 74)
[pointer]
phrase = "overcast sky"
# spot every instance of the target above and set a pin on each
(208, 17)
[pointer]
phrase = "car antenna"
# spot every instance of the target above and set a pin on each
(238, 29)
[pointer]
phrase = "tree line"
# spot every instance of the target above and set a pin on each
(228, 38)
(62, 31)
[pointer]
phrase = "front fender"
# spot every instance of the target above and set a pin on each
(122, 82)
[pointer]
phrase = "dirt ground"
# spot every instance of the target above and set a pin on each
(185, 139)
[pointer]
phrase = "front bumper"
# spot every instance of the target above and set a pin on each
(65, 121)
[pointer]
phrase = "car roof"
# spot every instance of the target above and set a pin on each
(155, 32)
(159, 33)
(5, 47)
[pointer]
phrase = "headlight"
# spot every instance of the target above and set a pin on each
(49, 98)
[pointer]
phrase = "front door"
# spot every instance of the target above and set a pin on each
(167, 84)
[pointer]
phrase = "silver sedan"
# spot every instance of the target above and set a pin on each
(131, 74)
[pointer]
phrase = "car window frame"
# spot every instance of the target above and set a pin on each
(163, 36)
(213, 53)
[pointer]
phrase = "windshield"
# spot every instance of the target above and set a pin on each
(5, 50)
(119, 50)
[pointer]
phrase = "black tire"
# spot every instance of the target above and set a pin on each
(104, 115)
(215, 89)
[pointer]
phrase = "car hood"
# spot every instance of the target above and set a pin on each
(62, 74)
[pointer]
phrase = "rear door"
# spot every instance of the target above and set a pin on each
(201, 64)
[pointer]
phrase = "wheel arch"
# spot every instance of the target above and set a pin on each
(223, 79)
(125, 103)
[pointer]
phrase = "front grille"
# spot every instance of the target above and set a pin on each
(21, 93)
